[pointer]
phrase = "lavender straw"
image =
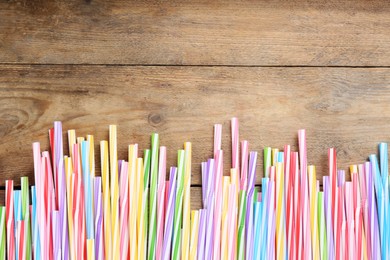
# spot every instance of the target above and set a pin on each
(202, 233)
(98, 218)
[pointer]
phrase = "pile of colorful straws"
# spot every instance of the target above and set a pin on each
(132, 212)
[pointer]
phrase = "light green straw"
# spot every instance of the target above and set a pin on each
(241, 226)
(26, 213)
(2, 232)
(321, 227)
(267, 160)
(179, 206)
(153, 198)
(146, 189)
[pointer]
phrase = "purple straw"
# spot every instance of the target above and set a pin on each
(202, 233)
(99, 253)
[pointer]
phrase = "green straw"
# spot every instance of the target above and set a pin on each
(241, 226)
(2, 232)
(26, 213)
(179, 206)
(146, 189)
(153, 198)
(267, 160)
(321, 226)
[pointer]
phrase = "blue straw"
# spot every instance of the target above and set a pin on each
(34, 224)
(88, 189)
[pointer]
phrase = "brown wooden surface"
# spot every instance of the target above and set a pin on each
(342, 107)
(294, 32)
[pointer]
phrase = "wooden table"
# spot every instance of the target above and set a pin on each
(178, 67)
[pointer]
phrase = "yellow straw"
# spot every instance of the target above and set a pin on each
(280, 224)
(274, 153)
(71, 141)
(114, 192)
(225, 203)
(91, 141)
(235, 180)
(132, 171)
(106, 199)
(313, 211)
(141, 210)
(194, 234)
(186, 205)
(90, 251)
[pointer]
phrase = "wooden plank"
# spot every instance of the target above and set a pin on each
(296, 32)
(341, 107)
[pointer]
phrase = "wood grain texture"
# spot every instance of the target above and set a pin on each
(260, 33)
(346, 108)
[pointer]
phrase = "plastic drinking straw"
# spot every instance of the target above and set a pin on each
(232, 220)
(98, 207)
(9, 205)
(379, 191)
(234, 179)
(244, 165)
(26, 214)
(225, 203)
(124, 210)
(34, 225)
(90, 249)
(71, 141)
(209, 228)
(3, 241)
(271, 223)
(350, 220)
(267, 160)
(384, 169)
(217, 138)
(332, 161)
(313, 211)
(296, 204)
(132, 199)
(55, 216)
(106, 199)
(322, 226)
(141, 210)
(178, 217)
(249, 225)
(78, 205)
(203, 169)
(305, 201)
(194, 234)
(61, 188)
(216, 169)
(161, 201)
(88, 195)
(241, 225)
(338, 222)
(373, 213)
(288, 193)
(257, 239)
(264, 217)
(202, 233)
(328, 218)
(185, 241)
(235, 145)
(280, 213)
(363, 190)
(153, 198)
(168, 225)
(69, 194)
(114, 192)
